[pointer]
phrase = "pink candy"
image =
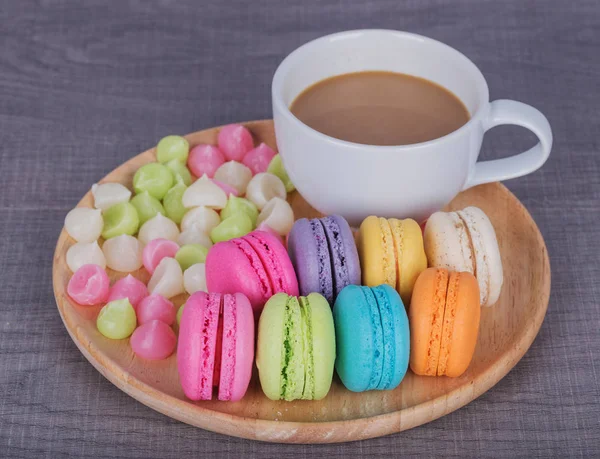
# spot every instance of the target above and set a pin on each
(235, 141)
(205, 159)
(154, 340)
(129, 287)
(228, 189)
(156, 307)
(89, 285)
(155, 251)
(258, 159)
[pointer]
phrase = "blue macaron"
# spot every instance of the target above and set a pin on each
(372, 338)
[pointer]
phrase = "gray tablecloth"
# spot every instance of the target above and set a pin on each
(85, 85)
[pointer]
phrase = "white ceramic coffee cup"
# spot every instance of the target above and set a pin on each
(356, 180)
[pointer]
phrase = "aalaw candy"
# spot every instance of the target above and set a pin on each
(84, 224)
(278, 215)
(205, 159)
(263, 187)
(154, 340)
(156, 250)
(194, 278)
(235, 175)
(156, 307)
(108, 194)
(204, 192)
(89, 285)
(202, 218)
(194, 235)
(129, 287)
(259, 158)
(158, 227)
(167, 279)
(235, 141)
(85, 253)
(123, 253)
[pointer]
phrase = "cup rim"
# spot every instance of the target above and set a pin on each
(281, 71)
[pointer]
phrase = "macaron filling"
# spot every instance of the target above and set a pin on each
(326, 286)
(389, 333)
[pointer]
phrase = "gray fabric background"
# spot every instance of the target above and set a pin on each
(86, 85)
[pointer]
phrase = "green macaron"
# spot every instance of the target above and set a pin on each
(296, 347)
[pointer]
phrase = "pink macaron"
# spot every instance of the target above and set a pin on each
(257, 265)
(216, 346)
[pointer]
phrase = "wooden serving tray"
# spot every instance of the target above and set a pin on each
(506, 332)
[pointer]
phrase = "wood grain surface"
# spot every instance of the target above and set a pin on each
(506, 332)
(84, 86)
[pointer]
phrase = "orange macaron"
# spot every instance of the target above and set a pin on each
(444, 321)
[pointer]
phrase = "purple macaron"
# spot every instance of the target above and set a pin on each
(324, 256)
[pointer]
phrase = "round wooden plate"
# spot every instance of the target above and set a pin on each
(506, 332)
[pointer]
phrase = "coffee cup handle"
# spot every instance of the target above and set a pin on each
(519, 114)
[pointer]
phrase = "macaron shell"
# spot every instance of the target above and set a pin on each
(309, 254)
(323, 344)
(237, 353)
(359, 338)
(411, 258)
(375, 250)
(426, 314)
(350, 251)
(397, 350)
(197, 345)
(461, 325)
(488, 262)
(343, 253)
(275, 260)
(447, 243)
(269, 345)
(234, 266)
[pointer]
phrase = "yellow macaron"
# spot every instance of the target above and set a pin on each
(391, 252)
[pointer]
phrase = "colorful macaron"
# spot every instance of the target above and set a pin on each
(444, 321)
(256, 264)
(324, 255)
(372, 338)
(466, 241)
(391, 252)
(295, 353)
(216, 346)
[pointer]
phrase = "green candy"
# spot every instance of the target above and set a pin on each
(190, 254)
(180, 171)
(120, 219)
(154, 178)
(173, 202)
(237, 225)
(276, 168)
(117, 319)
(147, 206)
(172, 147)
(179, 314)
(237, 205)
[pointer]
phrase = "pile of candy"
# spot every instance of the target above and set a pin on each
(167, 227)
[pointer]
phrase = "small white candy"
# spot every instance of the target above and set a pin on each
(263, 187)
(234, 174)
(194, 278)
(85, 253)
(202, 217)
(194, 235)
(278, 215)
(108, 194)
(158, 227)
(84, 224)
(123, 253)
(167, 279)
(204, 192)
